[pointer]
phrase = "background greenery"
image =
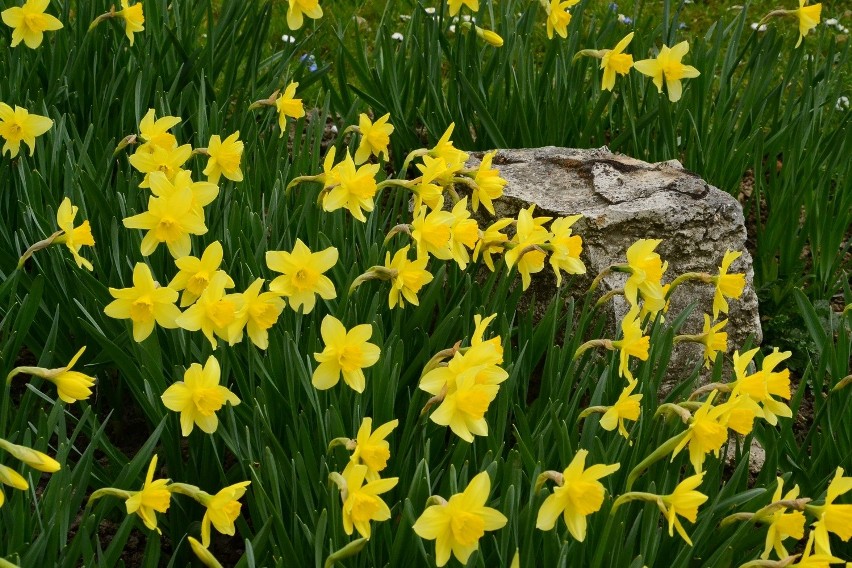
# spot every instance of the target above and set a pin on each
(760, 121)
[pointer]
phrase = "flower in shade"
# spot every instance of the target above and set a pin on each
(667, 68)
(456, 525)
(346, 353)
(74, 237)
(225, 156)
(727, 285)
(222, 510)
(18, 125)
(145, 303)
(783, 524)
(198, 397)
(71, 386)
(683, 501)
(29, 22)
(134, 18)
(375, 137)
(287, 104)
(302, 275)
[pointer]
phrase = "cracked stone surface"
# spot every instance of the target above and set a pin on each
(622, 200)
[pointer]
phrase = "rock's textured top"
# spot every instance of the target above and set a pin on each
(622, 200)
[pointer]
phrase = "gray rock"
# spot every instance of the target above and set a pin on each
(622, 200)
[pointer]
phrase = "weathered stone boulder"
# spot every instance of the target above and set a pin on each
(623, 200)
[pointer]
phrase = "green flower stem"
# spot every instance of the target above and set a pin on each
(687, 277)
(671, 408)
(406, 184)
(320, 178)
(605, 343)
(373, 273)
(412, 155)
(608, 296)
(42, 244)
(591, 410)
(191, 491)
(109, 492)
(658, 454)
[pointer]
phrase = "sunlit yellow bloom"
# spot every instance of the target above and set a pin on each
(222, 510)
(426, 192)
(646, 270)
(707, 432)
(153, 498)
(457, 525)
(156, 131)
(833, 517)
(684, 501)
(71, 386)
(632, 342)
(33, 458)
(203, 553)
(74, 237)
(260, 311)
(489, 184)
(480, 324)
(149, 159)
(526, 253)
(195, 273)
(558, 17)
(170, 219)
(225, 156)
(214, 312)
(783, 524)
(455, 5)
(198, 397)
(29, 22)
(491, 241)
(625, 408)
(463, 408)
(616, 61)
(346, 352)
(354, 189)
(134, 18)
(444, 147)
(714, 340)
(739, 412)
(409, 276)
(145, 303)
(203, 192)
(375, 138)
(432, 233)
(287, 104)
(727, 285)
(667, 67)
(361, 501)
(819, 559)
(566, 248)
(479, 362)
(465, 233)
(808, 18)
(371, 447)
(578, 494)
(764, 384)
(18, 125)
(298, 9)
(302, 275)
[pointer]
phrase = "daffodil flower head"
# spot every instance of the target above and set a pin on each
(286, 103)
(29, 22)
(558, 17)
(739, 413)
(456, 5)
(195, 273)
(223, 509)
(783, 524)
(371, 447)
(225, 156)
(361, 501)
(579, 493)
(463, 408)
(214, 312)
(627, 407)
(432, 233)
(684, 501)
(260, 311)
(457, 525)
(145, 303)
(33, 458)
(707, 432)
(632, 343)
(445, 149)
(329, 170)
(199, 396)
(464, 233)
(646, 269)
(833, 517)
(818, 559)
(491, 241)
(134, 18)
(155, 131)
(667, 68)
(18, 125)
(615, 61)
(480, 324)
(375, 138)
(74, 237)
(71, 386)
(808, 16)
(764, 384)
(727, 285)
(346, 353)
(153, 498)
(354, 189)
(298, 9)
(714, 340)
(409, 277)
(489, 184)
(526, 252)
(428, 193)
(302, 275)
(150, 159)
(567, 248)
(12, 478)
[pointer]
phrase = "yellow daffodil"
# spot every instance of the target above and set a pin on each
(464, 233)
(33, 458)
(615, 61)
(298, 9)
(558, 17)
(155, 131)
(371, 448)
(12, 478)
(667, 68)
(222, 510)
(463, 408)
(346, 352)
(765, 384)
(480, 363)
(18, 125)
(287, 104)
(225, 156)
(361, 501)
(445, 149)
(526, 252)
(632, 342)
(808, 17)
(727, 285)
(203, 192)
(684, 501)
(154, 158)
(134, 18)
(408, 277)
(29, 22)
(707, 432)
(489, 184)
(566, 248)
(714, 340)
(260, 311)
(456, 5)
(71, 386)
(432, 233)
(625, 408)
(194, 273)
(491, 241)
(783, 524)
(302, 277)
(375, 138)
(739, 413)
(354, 190)
(488, 36)
(457, 524)
(833, 517)
(203, 554)
(646, 270)
(577, 495)
(426, 192)
(198, 397)
(170, 219)
(145, 303)
(819, 559)
(214, 312)
(154, 497)
(73, 237)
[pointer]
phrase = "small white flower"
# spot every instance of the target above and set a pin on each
(831, 22)
(842, 103)
(758, 27)
(405, 17)
(452, 29)
(430, 11)
(288, 39)
(468, 18)
(397, 36)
